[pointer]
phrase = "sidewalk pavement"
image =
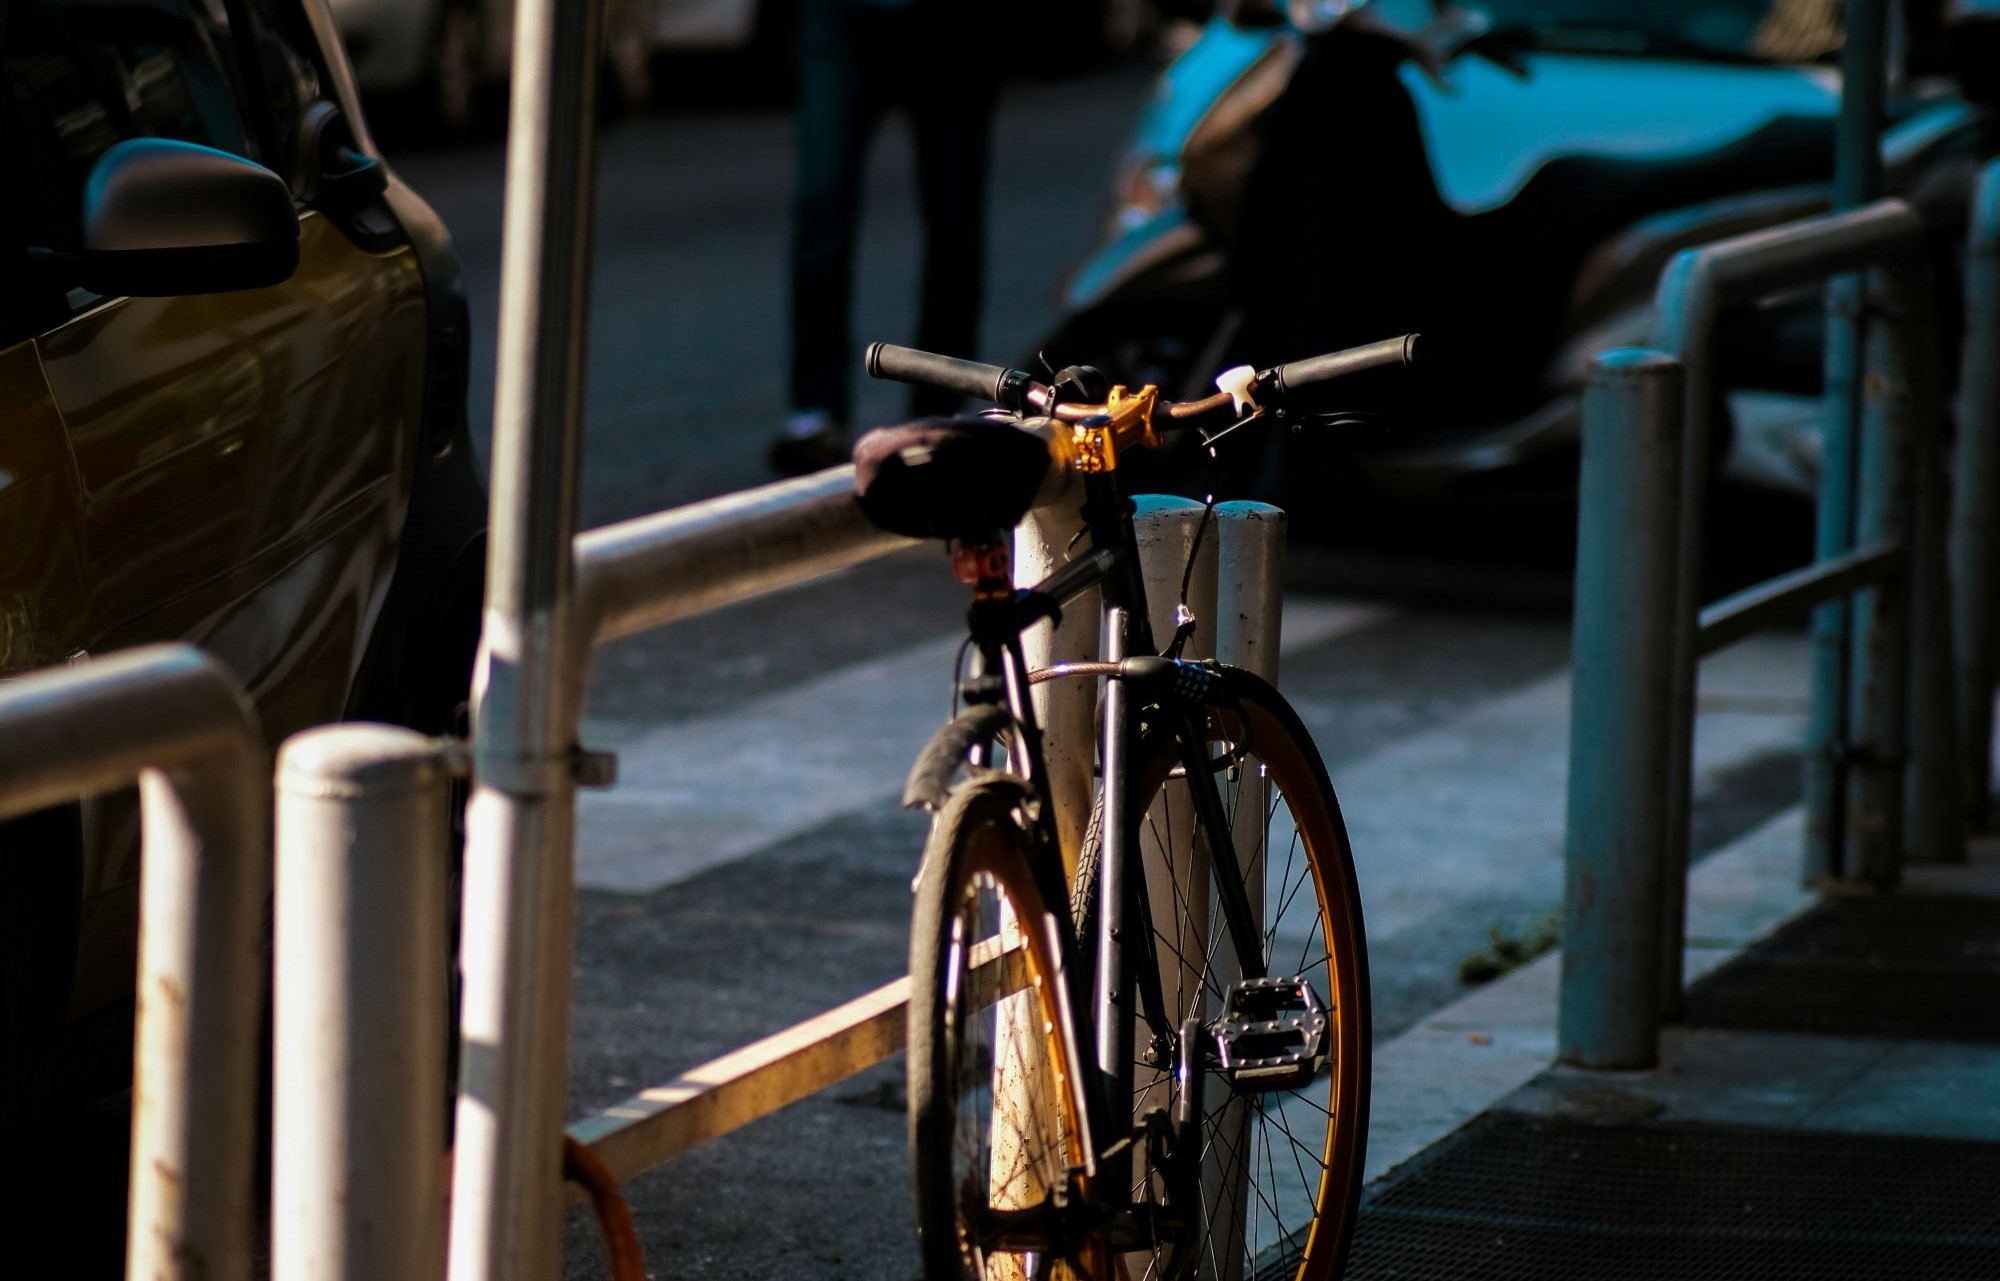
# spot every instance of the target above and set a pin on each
(1829, 1109)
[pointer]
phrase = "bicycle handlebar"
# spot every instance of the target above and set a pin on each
(1018, 391)
(1386, 354)
(948, 373)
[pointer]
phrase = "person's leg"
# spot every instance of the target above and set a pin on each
(949, 94)
(833, 127)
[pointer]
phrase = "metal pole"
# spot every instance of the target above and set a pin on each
(1975, 550)
(1936, 775)
(1864, 89)
(1686, 320)
(1826, 779)
(358, 1044)
(1625, 660)
(1857, 181)
(519, 883)
(1880, 658)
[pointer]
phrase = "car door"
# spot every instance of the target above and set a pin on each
(243, 458)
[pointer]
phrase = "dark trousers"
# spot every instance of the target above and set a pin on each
(858, 63)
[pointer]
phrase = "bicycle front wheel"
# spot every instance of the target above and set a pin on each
(1280, 1168)
(995, 1125)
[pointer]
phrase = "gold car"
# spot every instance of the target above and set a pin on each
(232, 412)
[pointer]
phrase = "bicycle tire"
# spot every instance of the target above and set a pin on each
(1258, 727)
(992, 1085)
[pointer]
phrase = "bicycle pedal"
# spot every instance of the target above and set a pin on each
(1272, 1035)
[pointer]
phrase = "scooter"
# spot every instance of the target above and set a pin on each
(1521, 171)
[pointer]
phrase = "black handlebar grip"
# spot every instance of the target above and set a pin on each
(948, 373)
(1339, 364)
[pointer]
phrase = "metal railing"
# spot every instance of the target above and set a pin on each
(171, 719)
(1639, 634)
(654, 570)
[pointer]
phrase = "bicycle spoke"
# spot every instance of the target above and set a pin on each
(1306, 949)
(1285, 905)
(1305, 1180)
(1314, 1104)
(1253, 1198)
(1270, 1207)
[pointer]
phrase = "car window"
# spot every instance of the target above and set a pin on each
(83, 75)
(281, 55)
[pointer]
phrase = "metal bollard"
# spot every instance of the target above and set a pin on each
(1249, 585)
(1066, 710)
(360, 1014)
(1975, 550)
(1168, 528)
(1169, 554)
(1249, 613)
(1621, 717)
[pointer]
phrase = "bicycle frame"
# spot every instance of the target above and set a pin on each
(1124, 969)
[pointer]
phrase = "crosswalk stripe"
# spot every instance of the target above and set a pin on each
(1468, 813)
(1472, 813)
(705, 792)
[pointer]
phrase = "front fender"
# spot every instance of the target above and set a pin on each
(945, 755)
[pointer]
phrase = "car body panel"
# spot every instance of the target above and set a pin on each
(42, 592)
(281, 476)
(247, 423)
(244, 461)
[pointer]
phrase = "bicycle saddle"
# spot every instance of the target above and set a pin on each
(948, 477)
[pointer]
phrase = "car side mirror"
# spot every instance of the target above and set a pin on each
(163, 218)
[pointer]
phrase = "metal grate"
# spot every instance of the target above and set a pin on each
(1518, 1198)
(1906, 966)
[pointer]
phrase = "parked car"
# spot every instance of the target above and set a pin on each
(1518, 171)
(232, 412)
(449, 59)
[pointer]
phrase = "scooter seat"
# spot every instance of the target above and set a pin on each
(948, 477)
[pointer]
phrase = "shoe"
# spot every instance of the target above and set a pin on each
(812, 441)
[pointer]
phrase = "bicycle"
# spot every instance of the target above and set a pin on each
(1210, 1113)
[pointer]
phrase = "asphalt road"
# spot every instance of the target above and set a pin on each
(758, 870)
(688, 338)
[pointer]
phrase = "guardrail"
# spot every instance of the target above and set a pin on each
(657, 569)
(174, 721)
(1639, 633)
